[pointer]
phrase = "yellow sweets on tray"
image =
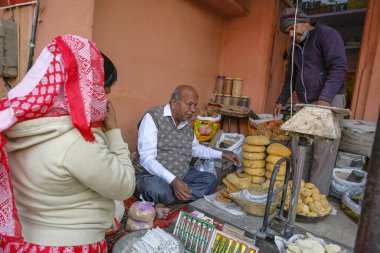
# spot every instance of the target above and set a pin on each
(235, 182)
(254, 157)
(310, 203)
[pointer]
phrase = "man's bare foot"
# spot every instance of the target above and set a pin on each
(161, 211)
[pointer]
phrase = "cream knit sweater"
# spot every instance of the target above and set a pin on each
(64, 186)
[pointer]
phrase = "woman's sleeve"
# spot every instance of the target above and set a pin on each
(104, 167)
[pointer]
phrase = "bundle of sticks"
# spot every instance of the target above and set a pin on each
(156, 241)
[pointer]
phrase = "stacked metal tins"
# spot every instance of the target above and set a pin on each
(229, 91)
(219, 89)
(237, 87)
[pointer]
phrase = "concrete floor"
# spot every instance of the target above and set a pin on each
(338, 229)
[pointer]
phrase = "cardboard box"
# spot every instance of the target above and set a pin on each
(223, 242)
(357, 143)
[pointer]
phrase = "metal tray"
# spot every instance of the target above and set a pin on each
(307, 219)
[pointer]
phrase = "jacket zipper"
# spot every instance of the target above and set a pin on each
(303, 83)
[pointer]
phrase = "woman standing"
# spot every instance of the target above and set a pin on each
(65, 171)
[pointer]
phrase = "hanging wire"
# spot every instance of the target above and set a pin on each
(12, 18)
(32, 41)
(292, 60)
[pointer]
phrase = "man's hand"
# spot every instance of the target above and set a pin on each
(109, 121)
(231, 157)
(180, 188)
(323, 102)
(277, 109)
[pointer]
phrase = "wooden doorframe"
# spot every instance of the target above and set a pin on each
(369, 53)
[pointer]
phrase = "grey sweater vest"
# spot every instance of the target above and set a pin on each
(174, 146)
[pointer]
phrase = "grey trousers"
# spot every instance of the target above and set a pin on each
(320, 157)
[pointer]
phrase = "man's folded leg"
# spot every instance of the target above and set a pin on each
(154, 189)
(201, 183)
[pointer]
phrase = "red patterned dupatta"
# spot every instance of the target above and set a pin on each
(66, 79)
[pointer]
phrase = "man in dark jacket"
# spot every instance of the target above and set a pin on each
(319, 67)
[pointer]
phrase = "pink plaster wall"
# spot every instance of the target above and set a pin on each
(62, 17)
(156, 46)
(246, 53)
(247, 48)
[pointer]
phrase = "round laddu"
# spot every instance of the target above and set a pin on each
(253, 148)
(254, 163)
(315, 190)
(278, 149)
(255, 172)
(268, 175)
(253, 156)
(258, 180)
(309, 185)
(274, 159)
(258, 140)
(281, 170)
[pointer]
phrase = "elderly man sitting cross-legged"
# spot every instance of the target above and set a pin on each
(166, 144)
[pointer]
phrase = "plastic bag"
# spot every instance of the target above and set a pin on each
(339, 185)
(344, 182)
(142, 211)
(133, 225)
(205, 165)
(206, 127)
(253, 201)
(238, 140)
(347, 199)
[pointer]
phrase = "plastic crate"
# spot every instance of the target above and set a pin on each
(304, 6)
(339, 7)
(309, 6)
(320, 9)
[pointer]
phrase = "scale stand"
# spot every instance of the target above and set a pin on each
(265, 232)
(312, 121)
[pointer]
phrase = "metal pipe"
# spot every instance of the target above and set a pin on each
(368, 235)
(274, 192)
(264, 232)
(303, 143)
(33, 35)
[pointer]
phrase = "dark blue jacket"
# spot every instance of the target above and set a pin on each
(319, 67)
